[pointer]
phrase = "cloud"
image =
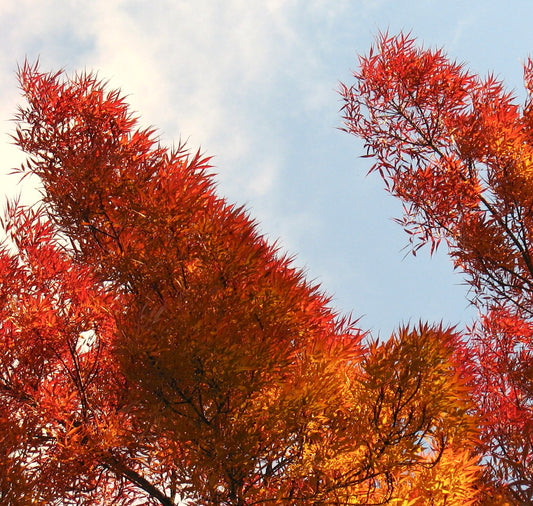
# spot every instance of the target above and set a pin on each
(220, 74)
(227, 76)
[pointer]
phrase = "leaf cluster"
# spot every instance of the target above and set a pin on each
(457, 150)
(156, 348)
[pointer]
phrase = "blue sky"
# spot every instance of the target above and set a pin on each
(253, 83)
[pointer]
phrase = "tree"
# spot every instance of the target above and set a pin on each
(156, 349)
(457, 150)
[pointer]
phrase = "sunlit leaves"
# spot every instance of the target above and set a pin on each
(502, 365)
(457, 149)
(157, 349)
(54, 387)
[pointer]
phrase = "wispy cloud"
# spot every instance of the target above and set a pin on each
(204, 71)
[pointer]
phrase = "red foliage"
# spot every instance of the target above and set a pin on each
(156, 349)
(458, 151)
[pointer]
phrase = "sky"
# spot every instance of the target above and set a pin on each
(254, 84)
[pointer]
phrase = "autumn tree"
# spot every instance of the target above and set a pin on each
(457, 149)
(156, 349)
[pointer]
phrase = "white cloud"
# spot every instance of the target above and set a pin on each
(193, 69)
(226, 76)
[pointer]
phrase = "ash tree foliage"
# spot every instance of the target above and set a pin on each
(156, 349)
(457, 149)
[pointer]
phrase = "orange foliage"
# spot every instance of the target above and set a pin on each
(156, 349)
(458, 150)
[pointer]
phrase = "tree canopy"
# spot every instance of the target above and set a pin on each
(457, 150)
(156, 349)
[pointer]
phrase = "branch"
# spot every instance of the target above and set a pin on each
(120, 469)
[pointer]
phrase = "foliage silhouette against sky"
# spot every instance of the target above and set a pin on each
(255, 84)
